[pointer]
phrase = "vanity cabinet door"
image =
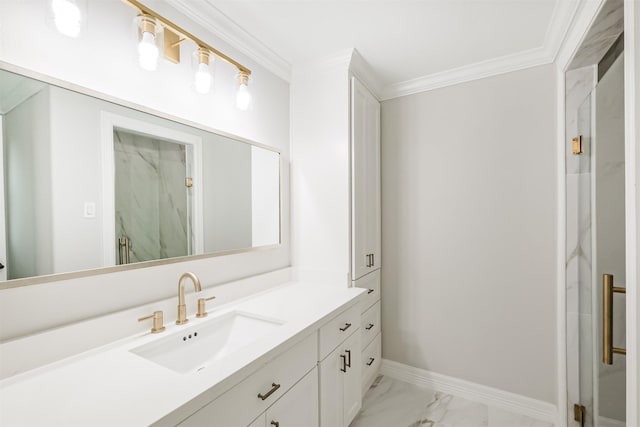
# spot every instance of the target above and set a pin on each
(365, 180)
(340, 383)
(298, 407)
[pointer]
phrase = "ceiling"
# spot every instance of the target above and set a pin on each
(402, 40)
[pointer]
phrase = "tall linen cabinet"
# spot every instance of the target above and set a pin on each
(335, 189)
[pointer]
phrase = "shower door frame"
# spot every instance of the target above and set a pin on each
(111, 122)
(585, 14)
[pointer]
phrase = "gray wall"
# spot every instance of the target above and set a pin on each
(469, 231)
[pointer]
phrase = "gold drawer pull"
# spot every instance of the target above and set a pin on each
(270, 392)
(346, 326)
(607, 319)
(371, 325)
(370, 362)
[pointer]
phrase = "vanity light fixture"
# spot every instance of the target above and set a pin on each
(67, 17)
(243, 97)
(173, 37)
(203, 70)
(147, 49)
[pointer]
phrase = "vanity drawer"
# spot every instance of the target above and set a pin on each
(371, 360)
(371, 282)
(370, 326)
(338, 329)
(241, 405)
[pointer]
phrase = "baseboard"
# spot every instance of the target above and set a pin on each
(512, 402)
(609, 422)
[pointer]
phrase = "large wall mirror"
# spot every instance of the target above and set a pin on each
(88, 184)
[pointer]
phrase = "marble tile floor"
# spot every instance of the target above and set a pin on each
(393, 403)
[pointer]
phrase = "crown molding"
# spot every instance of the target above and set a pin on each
(492, 67)
(360, 68)
(562, 19)
(562, 22)
(220, 25)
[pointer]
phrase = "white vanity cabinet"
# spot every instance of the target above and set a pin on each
(365, 181)
(256, 394)
(297, 407)
(340, 370)
(371, 328)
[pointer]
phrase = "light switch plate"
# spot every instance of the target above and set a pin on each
(89, 210)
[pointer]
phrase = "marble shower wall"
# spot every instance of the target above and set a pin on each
(608, 25)
(151, 197)
(579, 86)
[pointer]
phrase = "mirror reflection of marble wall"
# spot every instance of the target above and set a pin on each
(53, 170)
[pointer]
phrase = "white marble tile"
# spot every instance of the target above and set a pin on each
(395, 403)
(449, 411)
(603, 33)
(502, 418)
(579, 85)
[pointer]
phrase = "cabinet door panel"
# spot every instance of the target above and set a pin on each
(352, 379)
(340, 383)
(298, 407)
(365, 157)
(331, 390)
(361, 254)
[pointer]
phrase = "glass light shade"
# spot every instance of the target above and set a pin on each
(203, 78)
(243, 98)
(67, 17)
(148, 51)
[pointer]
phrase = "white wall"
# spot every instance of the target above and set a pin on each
(227, 174)
(469, 231)
(28, 148)
(104, 60)
(265, 190)
(320, 176)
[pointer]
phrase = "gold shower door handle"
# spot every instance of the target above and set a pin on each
(123, 250)
(607, 319)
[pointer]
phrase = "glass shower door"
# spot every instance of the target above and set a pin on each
(609, 246)
(151, 198)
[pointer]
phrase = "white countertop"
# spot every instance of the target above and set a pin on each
(111, 386)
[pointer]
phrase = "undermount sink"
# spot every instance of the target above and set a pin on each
(196, 347)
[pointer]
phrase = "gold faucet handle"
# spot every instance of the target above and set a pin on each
(158, 322)
(202, 310)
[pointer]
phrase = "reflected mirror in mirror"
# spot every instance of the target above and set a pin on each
(86, 184)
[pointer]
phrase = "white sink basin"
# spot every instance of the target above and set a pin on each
(194, 348)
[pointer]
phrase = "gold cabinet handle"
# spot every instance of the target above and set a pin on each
(158, 322)
(607, 319)
(274, 387)
(346, 326)
(202, 310)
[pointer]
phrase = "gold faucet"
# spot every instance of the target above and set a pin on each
(182, 308)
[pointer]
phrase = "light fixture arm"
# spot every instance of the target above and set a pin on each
(186, 35)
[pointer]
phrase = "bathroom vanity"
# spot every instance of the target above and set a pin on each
(261, 361)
